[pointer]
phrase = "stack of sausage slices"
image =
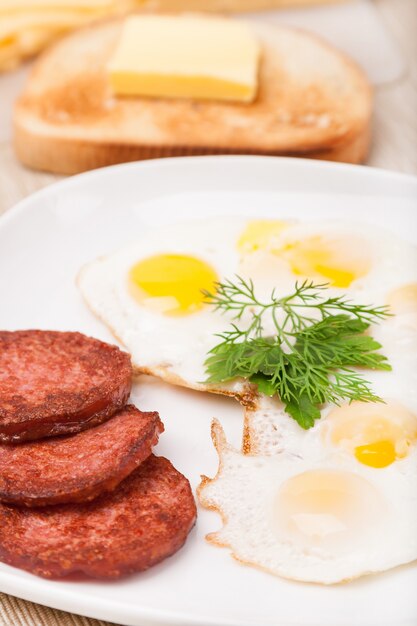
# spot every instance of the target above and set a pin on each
(80, 490)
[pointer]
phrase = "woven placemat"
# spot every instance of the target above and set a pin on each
(16, 612)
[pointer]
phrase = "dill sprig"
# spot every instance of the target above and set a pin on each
(308, 359)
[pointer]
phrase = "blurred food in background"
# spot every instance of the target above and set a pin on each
(28, 26)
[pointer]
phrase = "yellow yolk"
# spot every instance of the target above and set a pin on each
(325, 508)
(335, 261)
(260, 235)
(403, 299)
(172, 283)
(339, 261)
(377, 454)
(376, 434)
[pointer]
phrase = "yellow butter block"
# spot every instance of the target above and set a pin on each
(185, 57)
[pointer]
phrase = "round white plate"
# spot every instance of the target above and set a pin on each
(43, 243)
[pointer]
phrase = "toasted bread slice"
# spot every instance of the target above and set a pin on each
(312, 101)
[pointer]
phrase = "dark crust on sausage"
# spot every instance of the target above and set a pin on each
(58, 383)
(138, 525)
(78, 467)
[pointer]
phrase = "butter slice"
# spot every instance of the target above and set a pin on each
(185, 57)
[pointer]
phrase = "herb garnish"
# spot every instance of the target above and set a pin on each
(307, 361)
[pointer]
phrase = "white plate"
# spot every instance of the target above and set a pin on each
(43, 243)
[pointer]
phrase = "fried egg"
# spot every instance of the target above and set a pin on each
(150, 293)
(313, 511)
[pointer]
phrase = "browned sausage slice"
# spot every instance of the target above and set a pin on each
(56, 383)
(136, 526)
(77, 467)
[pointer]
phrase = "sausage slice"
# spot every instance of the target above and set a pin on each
(56, 383)
(136, 526)
(77, 467)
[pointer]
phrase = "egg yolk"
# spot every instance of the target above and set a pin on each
(330, 509)
(403, 299)
(376, 454)
(338, 262)
(376, 434)
(172, 284)
(260, 235)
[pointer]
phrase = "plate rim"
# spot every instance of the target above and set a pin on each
(292, 162)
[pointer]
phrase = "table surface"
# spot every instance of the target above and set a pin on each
(394, 148)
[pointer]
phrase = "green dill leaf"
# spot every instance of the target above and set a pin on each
(264, 384)
(309, 359)
(225, 363)
(303, 411)
(334, 342)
